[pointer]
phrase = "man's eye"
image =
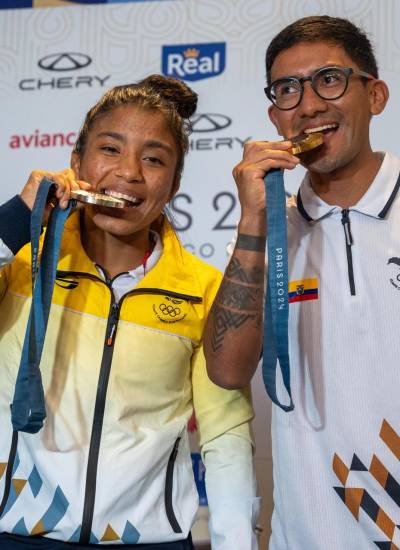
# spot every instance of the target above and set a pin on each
(286, 89)
(331, 79)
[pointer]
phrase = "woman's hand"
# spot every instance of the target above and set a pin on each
(64, 182)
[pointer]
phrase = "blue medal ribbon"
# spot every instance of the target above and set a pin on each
(28, 410)
(276, 309)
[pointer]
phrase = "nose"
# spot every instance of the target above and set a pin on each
(130, 169)
(311, 104)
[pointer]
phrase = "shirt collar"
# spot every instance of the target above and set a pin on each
(375, 202)
(135, 275)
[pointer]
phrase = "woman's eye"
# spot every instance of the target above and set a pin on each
(154, 160)
(109, 149)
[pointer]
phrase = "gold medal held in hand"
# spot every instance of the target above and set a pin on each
(306, 142)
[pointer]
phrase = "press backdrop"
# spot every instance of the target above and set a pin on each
(56, 61)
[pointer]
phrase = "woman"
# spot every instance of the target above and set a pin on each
(123, 364)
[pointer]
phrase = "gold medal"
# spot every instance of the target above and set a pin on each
(98, 199)
(306, 142)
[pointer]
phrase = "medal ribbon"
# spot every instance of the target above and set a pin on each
(28, 410)
(276, 309)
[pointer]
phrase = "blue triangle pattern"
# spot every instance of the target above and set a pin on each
(20, 528)
(130, 535)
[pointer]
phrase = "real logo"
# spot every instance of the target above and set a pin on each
(194, 61)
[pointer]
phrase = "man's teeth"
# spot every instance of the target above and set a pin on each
(321, 128)
(117, 195)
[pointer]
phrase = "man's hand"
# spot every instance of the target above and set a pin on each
(259, 157)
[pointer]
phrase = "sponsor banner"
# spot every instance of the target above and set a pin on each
(56, 63)
(63, 71)
(193, 62)
(16, 4)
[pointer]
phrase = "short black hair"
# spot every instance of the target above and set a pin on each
(324, 28)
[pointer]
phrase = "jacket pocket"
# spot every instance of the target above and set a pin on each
(169, 481)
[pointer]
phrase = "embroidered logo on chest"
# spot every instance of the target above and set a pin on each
(394, 264)
(170, 310)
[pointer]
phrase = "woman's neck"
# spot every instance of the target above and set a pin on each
(113, 253)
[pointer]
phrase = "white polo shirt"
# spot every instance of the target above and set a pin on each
(337, 455)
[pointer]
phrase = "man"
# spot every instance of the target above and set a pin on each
(336, 455)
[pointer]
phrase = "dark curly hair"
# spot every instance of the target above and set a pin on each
(324, 28)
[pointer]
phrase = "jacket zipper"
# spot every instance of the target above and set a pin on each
(168, 489)
(102, 386)
(97, 425)
(349, 243)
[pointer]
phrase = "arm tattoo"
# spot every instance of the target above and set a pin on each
(239, 300)
(253, 277)
(250, 242)
(239, 296)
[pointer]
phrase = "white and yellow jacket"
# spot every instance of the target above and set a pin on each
(112, 463)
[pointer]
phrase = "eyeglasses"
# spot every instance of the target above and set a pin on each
(328, 83)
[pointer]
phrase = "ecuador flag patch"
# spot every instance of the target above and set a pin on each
(304, 289)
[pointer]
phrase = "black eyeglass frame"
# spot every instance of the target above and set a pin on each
(348, 71)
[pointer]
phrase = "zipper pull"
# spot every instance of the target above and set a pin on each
(114, 317)
(346, 227)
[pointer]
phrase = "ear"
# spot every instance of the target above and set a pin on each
(175, 187)
(75, 163)
(378, 96)
(272, 113)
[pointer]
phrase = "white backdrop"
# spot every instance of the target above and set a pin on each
(45, 94)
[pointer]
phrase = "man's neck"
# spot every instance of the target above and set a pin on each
(345, 187)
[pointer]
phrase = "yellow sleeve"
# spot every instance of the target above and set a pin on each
(3, 281)
(218, 410)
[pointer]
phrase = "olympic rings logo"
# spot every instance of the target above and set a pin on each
(169, 310)
(172, 310)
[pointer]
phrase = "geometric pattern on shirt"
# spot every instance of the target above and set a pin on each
(358, 498)
(130, 535)
(56, 511)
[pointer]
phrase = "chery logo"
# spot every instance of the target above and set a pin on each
(64, 61)
(209, 122)
(213, 122)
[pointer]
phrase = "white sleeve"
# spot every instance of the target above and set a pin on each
(231, 492)
(6, 256)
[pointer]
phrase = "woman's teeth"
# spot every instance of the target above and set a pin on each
(134, 201)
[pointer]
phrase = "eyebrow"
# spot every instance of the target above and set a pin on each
(152, 143)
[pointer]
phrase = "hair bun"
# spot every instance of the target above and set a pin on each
(175, 91)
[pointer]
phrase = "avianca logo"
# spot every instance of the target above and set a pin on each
(39, 139)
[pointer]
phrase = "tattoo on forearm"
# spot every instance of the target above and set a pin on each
(250, 242)
(239, 301)
(254, 276)
(225, 320)
(239, 296)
